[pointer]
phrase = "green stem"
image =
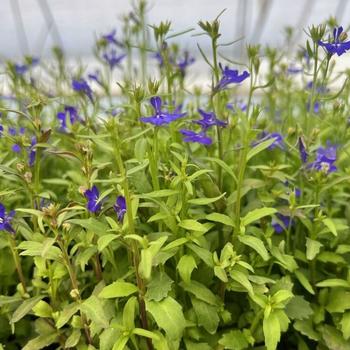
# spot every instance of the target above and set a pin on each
(17, 262)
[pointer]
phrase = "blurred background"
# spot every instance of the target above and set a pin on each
(32, 27)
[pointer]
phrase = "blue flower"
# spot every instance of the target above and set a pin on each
(325, 159)
(20, 69)
(111, 39)
(160, 117)
(230, 76)
(81, 85)
(92, 197)
(16, 148)
(278, 139)
(292, 69)
(72, 112)
(96, 77)
(240, 105)
(336, 46)
(12, 131)
(191, 136)
(208, 119)
(1, 130)
(32, 151)
(5, 219)
(112, 59)
(185, 62)
(302, 150)
(283, 223)
(120, 207)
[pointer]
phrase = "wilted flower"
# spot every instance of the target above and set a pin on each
(81, 85)
(208, 119)
(230, 76)
(191, 136)
(120, 207)
(160, 117)
(92, 197)
(337, 46)
(5, 219)
(325, 159)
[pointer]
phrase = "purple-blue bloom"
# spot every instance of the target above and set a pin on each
(81, 85)
(160, 117)
(96, 77)
(16, 148)
(286, 222)
(336, 46)
(278, 139)
(302, 150)
(1, 130)
(191, 136)
(240, 105)
(185, 62)
(208, 119)
(120, 207)
(32, 151)
(112, 58)
(111, 38)
(325, 159)
(70, 111)
(230, 76)
(5, 219)
(92, 197)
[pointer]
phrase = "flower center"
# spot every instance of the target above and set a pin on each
(1, 220)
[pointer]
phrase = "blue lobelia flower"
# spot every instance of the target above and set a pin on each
(81, 85)
(1, 130)
(96, 77)
(120, 207)
(72, 113)
(325, 159)
(92, 197)
(283, 223)
(111, 38)
(185, 62)
(208, 119)
(230, 76)
(201, 137)
(32, 151)
(161, 117)
(16, 148)
(20, 69)
(5, 219)
(336, 46)
(302, 150)
(112, 59)
(278, 139)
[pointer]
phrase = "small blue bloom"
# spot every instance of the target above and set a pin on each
(239, 105)
(112, 59)
(12, 131)
(72, 113)
(81, 85)
(32, 151)
(278, 139)
(160, 117)
(1, 130)
(325, 159)
(283, 223)
(191, 136)
(92, 197)
(120, 207)
(21, 68)
(185, 62)
(16, 148)
(111, 38)
(208, 119)
(230, 76)
(302, 150)
(5, 219)
(336, 46)
(96, 77)
(292, 69)
(158, 56)
(297, 192)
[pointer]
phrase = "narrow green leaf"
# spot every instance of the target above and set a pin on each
(259, 148)
(257, 214)
(193, 225)
(118, 289)
(272, 331)
(205, 201)
(24, 308)
(222, 218)
(256, 244)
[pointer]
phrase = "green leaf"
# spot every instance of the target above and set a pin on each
(159, 287)
(168, 316)
(42, 309)
(145, 333)
(242, 279)
(259, 148)
(118, 289)
(256, 244)
(24, 308)
(205, 201)
(331, 225)
(185, 266)
(345, 325)
(305, 327)
(66, 314)
(73, 339)
(333, 338)
(129, 313)
(281, 296)
(207, 315)
(196, 346)
(91, 224)
(304, 281)
(257, 214)
(161, 193)
(222, 218)
(234, 340)
(223, 165)
(193, 225)
(272, 331)
(104, 240)
(41, 342)
(334, 282)
(203, 254)
(201, 292)
(298, 308)
(93, 309)
(338, 301)
(312, 248)
(145, 266)
(121, 342)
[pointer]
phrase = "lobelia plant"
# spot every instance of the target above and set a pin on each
(170, 216)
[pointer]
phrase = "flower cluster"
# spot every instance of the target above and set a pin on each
(325, 159)
(5, 219)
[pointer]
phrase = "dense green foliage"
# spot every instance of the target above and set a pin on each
(243, 243)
